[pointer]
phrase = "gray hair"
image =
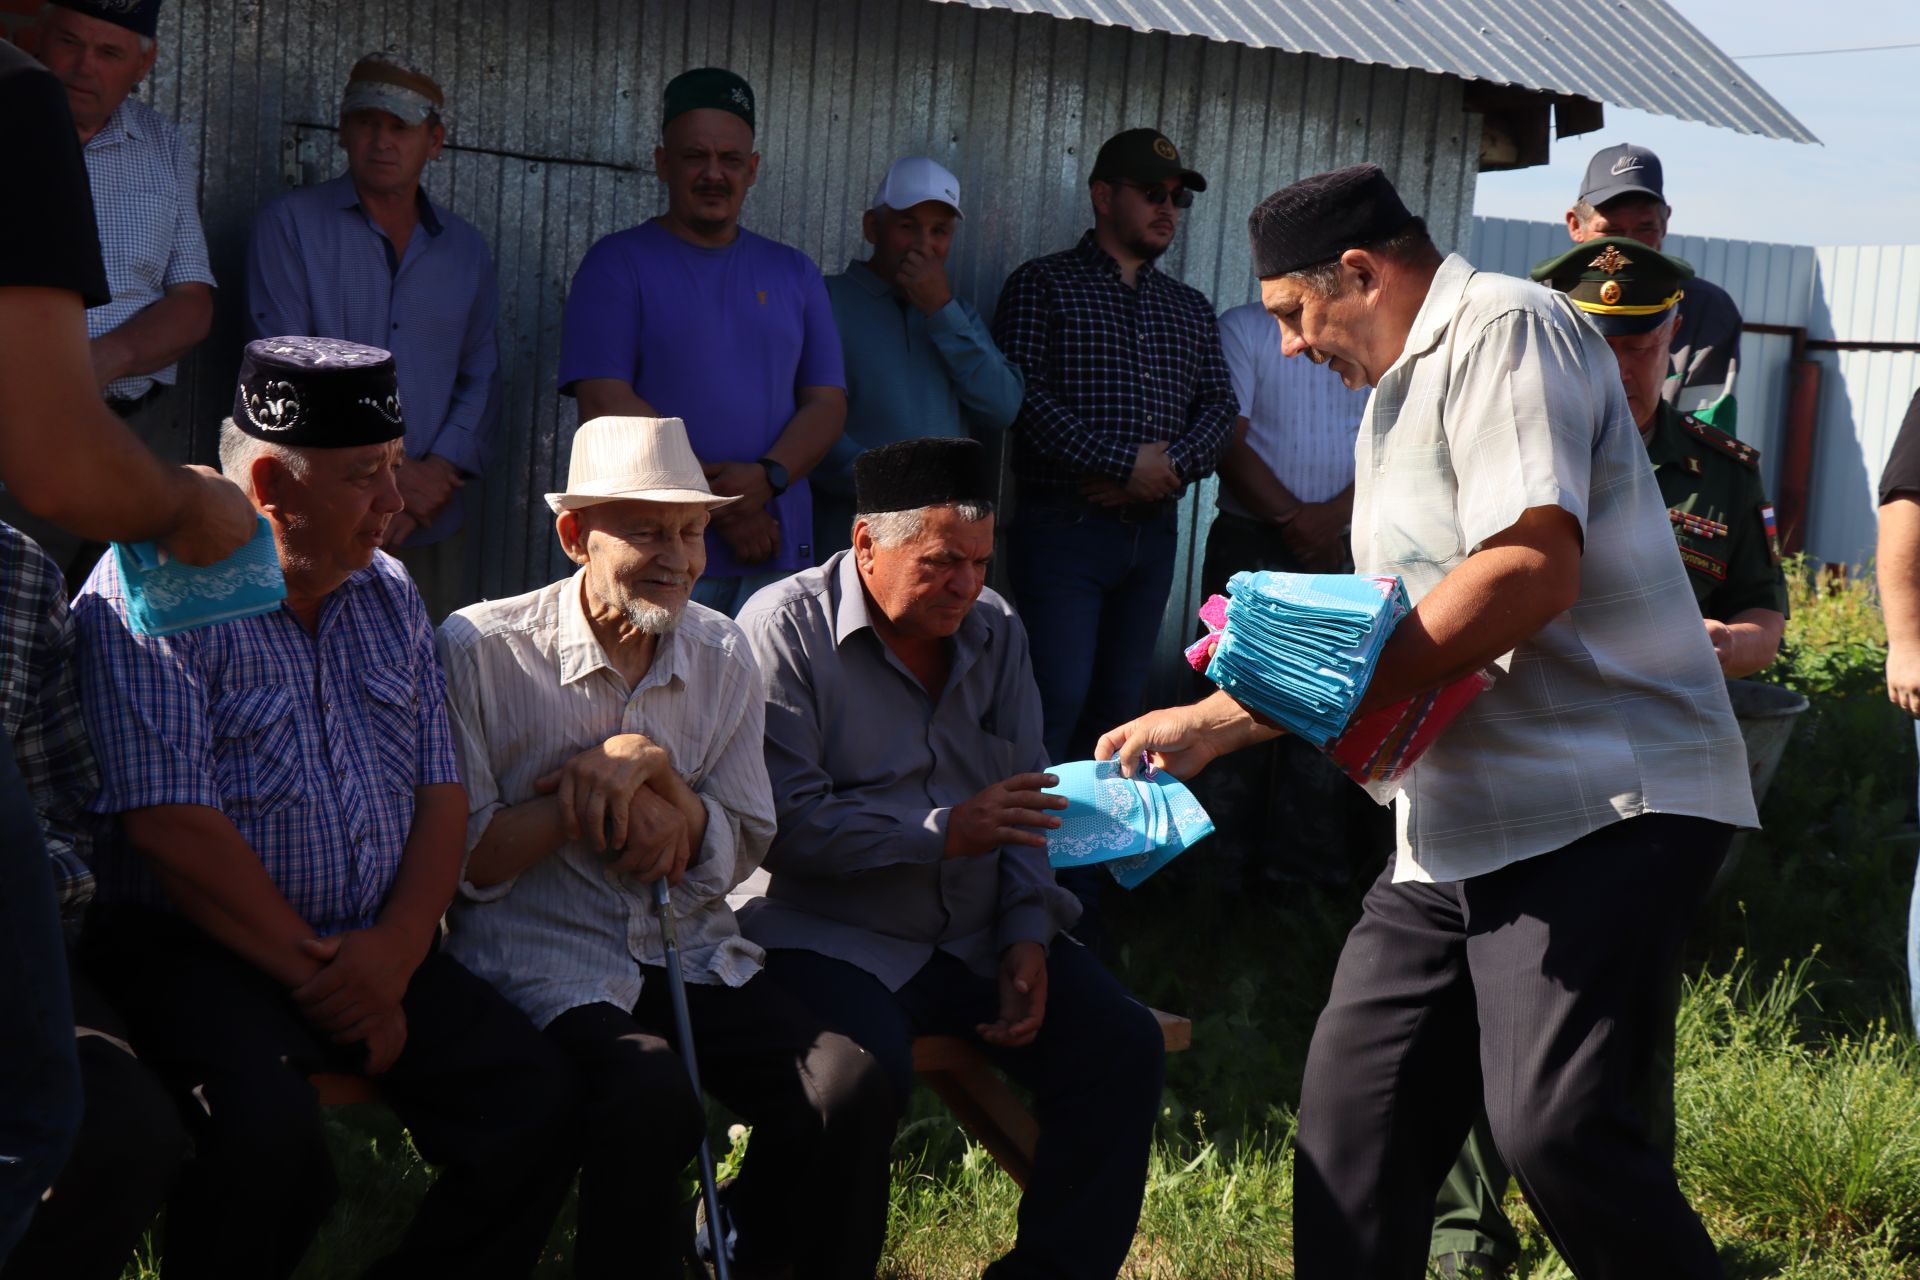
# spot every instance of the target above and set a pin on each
(1408, 244)
(238, 451)
(1586, 213)
(893, 528)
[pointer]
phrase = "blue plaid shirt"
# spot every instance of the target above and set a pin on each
(1109, 369)
(40, 711)
(145, 191)
(311, 744)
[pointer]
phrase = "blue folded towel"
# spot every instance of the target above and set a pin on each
(165, 595)
(1134, 825)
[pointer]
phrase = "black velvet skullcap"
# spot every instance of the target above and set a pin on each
(909, 474)
(317, 393)
(1319, 218)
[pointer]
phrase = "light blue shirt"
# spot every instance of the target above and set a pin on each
(144, 185)
(911, 375)
(320, 267)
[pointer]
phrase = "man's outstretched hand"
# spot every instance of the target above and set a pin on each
(1182, 740)
(1012, 811)
(1023, 997)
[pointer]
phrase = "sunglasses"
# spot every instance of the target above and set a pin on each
(1157, 194)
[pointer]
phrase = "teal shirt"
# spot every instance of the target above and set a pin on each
(911, 375)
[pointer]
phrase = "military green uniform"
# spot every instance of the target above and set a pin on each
(1724, 527)
(1720, 513)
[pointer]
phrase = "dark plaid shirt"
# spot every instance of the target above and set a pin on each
(1109, 369)
(40, 711)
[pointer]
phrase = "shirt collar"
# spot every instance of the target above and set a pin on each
(1437, 312)
(1100, 260)
(580, 651)
(349, 198)
(869, 282)
(123, 124)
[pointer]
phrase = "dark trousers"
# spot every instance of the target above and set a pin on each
(483, 1094)
(1091, 586)
(39, 1077)
(131, 1146)
(816, 1166)
(1282, 810)
(1094, 1071)
(1538, 992)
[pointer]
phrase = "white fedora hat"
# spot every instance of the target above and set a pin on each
(633, 459)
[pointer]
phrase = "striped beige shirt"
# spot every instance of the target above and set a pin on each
(1504, 400)
(528, 687)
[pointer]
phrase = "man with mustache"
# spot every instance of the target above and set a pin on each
(1557, 840)
(610, 736)
(693, 316)
(1127, 402)
(292, 814)
(144, 185)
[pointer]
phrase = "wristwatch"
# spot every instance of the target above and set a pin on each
(777, 477)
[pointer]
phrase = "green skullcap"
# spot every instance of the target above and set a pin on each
(713, 87)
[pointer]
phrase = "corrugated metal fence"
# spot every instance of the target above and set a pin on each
(1857, 295)
(553, 111)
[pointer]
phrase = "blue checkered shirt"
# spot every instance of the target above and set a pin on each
(311, 745)
(40, 711)
(1109, 369)
(145, 192)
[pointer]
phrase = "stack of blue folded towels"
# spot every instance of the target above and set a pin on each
(1301, 648)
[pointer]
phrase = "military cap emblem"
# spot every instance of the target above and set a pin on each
(1610, 290)
(1611, 262)
(1164, 149)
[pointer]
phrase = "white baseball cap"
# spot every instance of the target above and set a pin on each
(914, 180)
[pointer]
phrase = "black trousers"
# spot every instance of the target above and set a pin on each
(1539, 990)
(485, 1096)
(822, 1119)
(131, 1146)
(1094, 1070)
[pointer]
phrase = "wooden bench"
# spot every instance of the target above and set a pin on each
(953, 1067)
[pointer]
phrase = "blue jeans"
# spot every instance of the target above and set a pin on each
(1091, 588)
(39, 1073)
(730, 595)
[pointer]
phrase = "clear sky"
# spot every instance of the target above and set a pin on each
(1860, 186)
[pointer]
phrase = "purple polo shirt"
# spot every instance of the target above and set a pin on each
(718, 337)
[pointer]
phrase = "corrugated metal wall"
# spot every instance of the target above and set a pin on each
(569, 93)
(1850, 294)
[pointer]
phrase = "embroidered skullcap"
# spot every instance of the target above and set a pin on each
(317, 393)
(909, 474)
(141, 17)
(1319, 218)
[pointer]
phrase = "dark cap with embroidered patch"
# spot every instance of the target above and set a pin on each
(713, 87)
(317, 393)
(141, 17)
(1142, 155)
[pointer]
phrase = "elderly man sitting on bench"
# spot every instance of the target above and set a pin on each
(287, 786)
(907, 890)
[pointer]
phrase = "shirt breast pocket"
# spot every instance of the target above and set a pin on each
(394, 726)
(1415, 502)
(256, 751)
(142, 248)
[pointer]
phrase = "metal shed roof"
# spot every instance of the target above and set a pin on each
(1631, 53)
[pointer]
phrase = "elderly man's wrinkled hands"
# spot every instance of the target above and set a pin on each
(596, 788)
(1011, 811)
(426, 485)
(216, 518)
(355, 996)
(399, 528)
(1903, 677)
(658, 842)
(1023, 997)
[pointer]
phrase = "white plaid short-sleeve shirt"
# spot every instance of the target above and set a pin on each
(1505, 399)
(145, 193)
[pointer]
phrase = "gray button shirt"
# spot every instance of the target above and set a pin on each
(866, 768)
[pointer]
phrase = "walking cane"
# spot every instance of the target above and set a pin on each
(683, 1024)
